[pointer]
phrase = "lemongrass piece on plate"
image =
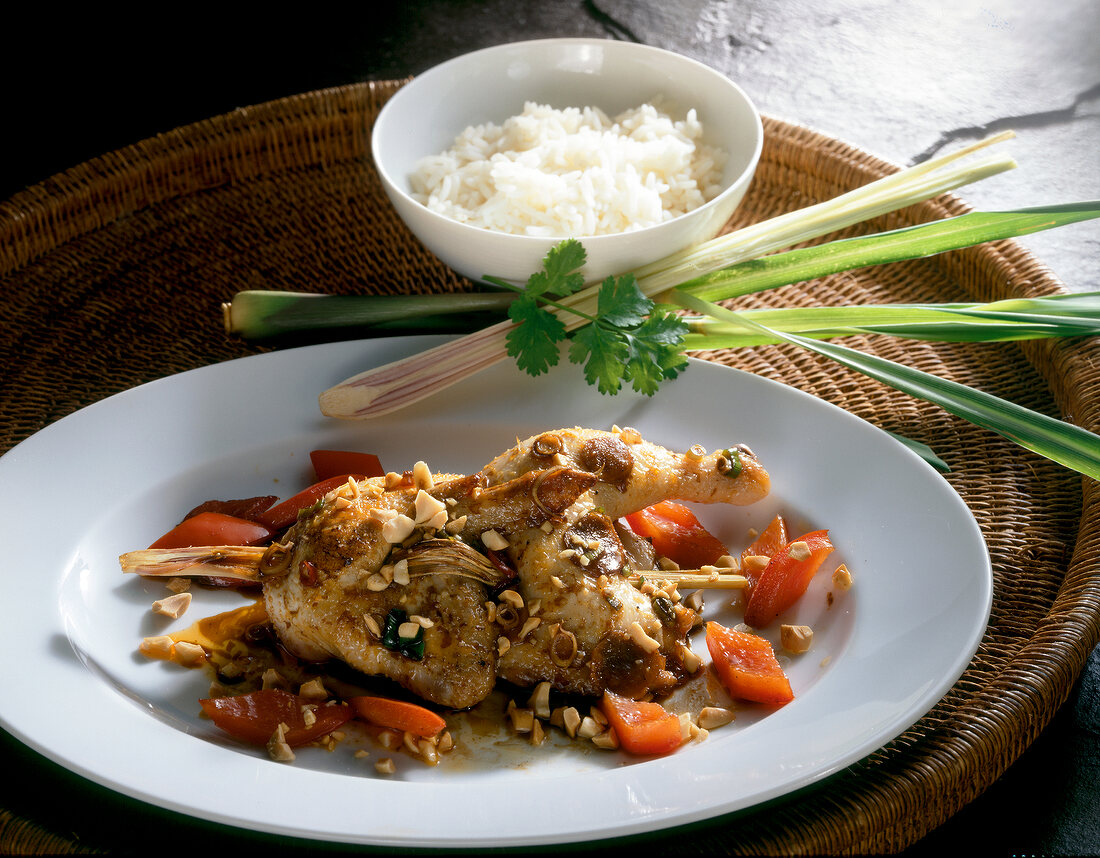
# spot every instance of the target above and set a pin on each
(700, 579)
(239, 562)
(385, 389)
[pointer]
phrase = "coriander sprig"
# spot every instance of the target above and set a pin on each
(628, 338)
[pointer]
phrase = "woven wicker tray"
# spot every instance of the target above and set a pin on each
(112, 273)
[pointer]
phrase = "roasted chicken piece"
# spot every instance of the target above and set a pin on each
(589, 622)
(366, 556)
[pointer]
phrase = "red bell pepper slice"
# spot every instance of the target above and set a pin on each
(677, 534)
(285, 514)
(767, 544)
(643, 728)
(333, 463)
(398, 715)
(786, 577)
(254, 717)
(747, 666)
(214, 528)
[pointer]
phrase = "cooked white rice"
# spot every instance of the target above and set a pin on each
(572, 172)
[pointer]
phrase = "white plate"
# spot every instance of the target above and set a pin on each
(111, 477)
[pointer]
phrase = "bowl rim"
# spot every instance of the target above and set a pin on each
(590, 241)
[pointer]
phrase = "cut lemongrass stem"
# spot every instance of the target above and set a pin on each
(385, 389)
(1069, 445)
(239, 562)
(697, 578)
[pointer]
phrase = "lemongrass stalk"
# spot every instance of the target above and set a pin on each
(1065, 443)
(911, 242)
(260, 314)
(997, 321)
(395, 385)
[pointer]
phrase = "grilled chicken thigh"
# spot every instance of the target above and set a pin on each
(599, 626)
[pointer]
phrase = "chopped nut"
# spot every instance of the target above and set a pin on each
(385, 766)
(571, 721)
(159, 646)
(277, 747)
(523, 720)
(534, 606)
(377, 582)
(390, 740)
(540, 700)
(398, 528)
(546, 527)
(178, 585)
(596, 715)
(667, 563)
(695, 601)
(173, 606)
(503, 645)
(795, 639)
(756, 563)
(189, 654)
(361, 754)
(493, 540)
(423, 622)
(408, 630)
(529, 626)
(566, 553)
(401, 572)
(727, 561)
(689, 659)
(630, 435)
(557, 582)
(639, 636)
(381, 514)
(455, 525)
(427, 507)
(588, 728)
(273, 679)
(309, 716)
(422, 476)
(446, 742)
(372, 625)
(313, 690)
(511, 597)
(608, 740)
(428, 752)
(341, 502)
(799, 551)
(538, 735)
(842, 578)
(711, 717)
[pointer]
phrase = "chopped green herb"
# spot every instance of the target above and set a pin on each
(628, 339)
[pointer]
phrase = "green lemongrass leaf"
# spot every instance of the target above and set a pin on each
(808, 263)
(258, 314)
(922, 450)
(997, 321)
(1061, 442)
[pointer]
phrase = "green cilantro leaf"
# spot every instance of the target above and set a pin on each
(560, 273)
(533, 342)
(621, 303)
(629, 339)
(606, 353)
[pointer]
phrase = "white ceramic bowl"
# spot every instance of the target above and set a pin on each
(490, 85)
